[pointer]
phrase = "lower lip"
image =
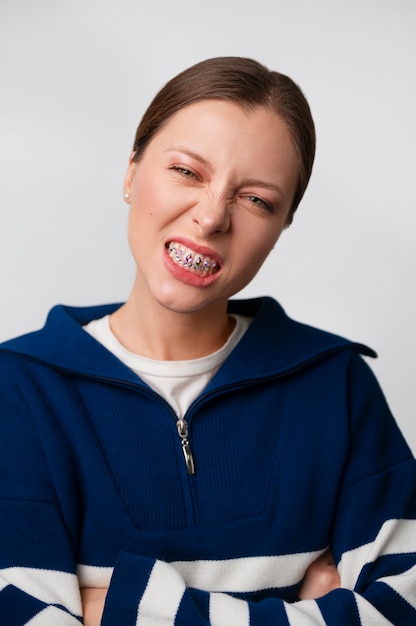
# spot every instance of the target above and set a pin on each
(187, 276)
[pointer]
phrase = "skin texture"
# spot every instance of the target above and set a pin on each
(93, 600)
(220, 181)
(321, 577)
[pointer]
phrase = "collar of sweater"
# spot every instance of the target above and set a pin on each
(274, 345)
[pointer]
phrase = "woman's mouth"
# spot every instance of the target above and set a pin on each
(191, 260)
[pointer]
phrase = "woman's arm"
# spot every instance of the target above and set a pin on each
(373, 542)
(321, 577)
(38, 579)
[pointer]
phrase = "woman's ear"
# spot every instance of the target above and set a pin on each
(129, 179)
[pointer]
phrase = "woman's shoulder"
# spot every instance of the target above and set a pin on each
(271, 325)
(60, 338)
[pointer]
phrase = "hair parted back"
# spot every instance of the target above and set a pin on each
(248, 84)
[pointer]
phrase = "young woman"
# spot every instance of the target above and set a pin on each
(184, 458)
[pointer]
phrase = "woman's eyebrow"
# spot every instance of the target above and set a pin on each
(194, 155)
(261, 183)
(248, 181)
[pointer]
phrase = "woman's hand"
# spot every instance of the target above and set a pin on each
(93, 600)
(321, 577)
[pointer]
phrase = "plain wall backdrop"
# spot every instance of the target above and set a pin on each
(75, 78)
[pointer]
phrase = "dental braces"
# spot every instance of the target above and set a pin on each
(196, 264)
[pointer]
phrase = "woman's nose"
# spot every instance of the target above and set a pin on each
(212, 215)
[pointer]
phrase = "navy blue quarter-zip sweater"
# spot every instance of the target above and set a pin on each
(295, 450)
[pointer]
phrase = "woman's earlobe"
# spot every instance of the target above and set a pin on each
(127, 189)
(129, 179)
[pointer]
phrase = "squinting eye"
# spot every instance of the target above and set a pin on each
(261, 203)
(183, 171)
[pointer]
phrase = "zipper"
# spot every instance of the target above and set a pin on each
(182, 426)
(181, 423)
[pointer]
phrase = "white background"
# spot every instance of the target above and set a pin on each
(75, 78)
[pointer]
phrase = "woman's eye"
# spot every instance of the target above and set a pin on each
(184, 171)
(261, 203)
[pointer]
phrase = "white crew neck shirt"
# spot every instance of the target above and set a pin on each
(179, 382)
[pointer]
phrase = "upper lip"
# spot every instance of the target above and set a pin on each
(200, 249)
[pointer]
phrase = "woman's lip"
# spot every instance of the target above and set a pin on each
(200, 249)
(190, 277)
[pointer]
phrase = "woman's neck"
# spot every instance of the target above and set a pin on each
(158, 333)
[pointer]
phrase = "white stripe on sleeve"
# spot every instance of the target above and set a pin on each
(94, 576)
(369, 614)
(151, 609)
(247, 574)
(48, 586)
(404, 585)
(395, 537)
(52, 616)
(225, 610)
(304, 613)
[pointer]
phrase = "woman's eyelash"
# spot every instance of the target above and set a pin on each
(260, 202)
(256, 200)
(184, 171)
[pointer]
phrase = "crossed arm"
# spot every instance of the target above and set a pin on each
(321, 577)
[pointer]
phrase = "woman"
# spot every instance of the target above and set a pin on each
(184, 458)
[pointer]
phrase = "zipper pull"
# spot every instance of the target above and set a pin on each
(182, 426)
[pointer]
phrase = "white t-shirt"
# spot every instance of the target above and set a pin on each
(179, 382)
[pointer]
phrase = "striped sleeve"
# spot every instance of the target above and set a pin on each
(378, 589)
(373, 542)
(37, 586)
(38, 581)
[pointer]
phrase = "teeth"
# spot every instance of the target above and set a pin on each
(190, 259)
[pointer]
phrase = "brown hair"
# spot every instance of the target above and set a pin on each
(248, 84)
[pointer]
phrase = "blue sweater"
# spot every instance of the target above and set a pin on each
(295, 450)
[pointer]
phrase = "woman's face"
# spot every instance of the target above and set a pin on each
(209, 198)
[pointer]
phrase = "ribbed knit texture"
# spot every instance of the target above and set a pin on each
(295, 450)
